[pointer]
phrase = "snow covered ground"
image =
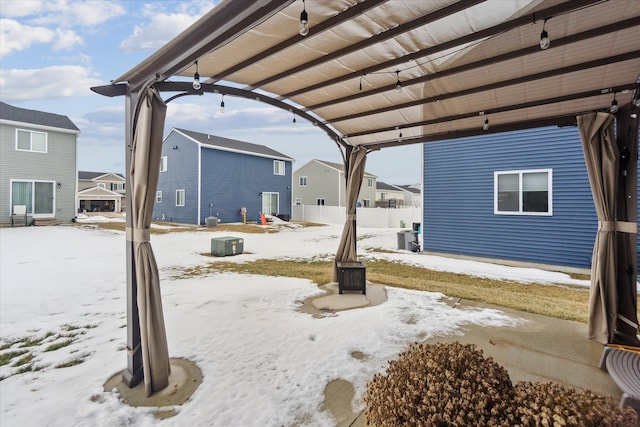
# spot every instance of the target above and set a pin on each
(265, 363)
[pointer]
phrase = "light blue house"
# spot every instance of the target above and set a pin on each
(520, 196)
(205, 176)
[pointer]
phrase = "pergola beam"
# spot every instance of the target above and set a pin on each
(530, 104)
(371, 41)
(520, 53)
(451, 44)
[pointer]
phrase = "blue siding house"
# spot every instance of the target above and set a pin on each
(204, 176)
(519, 196)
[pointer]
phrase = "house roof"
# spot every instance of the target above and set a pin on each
(410, 189)
(226, 144)
(457, 63)
(339, 167)
(384, 186)
(86, 175)
(35, 117)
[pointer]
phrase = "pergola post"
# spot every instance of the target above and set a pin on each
(133, 374)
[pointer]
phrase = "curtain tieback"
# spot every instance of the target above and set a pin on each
(138, 235)
(133, 351)
(621, 226)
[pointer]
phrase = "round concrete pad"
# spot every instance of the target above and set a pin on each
(184, 379)
(334, 301)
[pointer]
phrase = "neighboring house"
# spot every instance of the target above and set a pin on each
(101, 192)
(389, 195)
(520, 196)
(38, 164)
(412, 195)
(208, 176)
(323, 183)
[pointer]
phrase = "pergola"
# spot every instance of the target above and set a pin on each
(374, 74)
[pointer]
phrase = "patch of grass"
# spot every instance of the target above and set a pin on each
(32, 342)
(70, 363)
(58, 345)
(24, 360)
(5, 358)
(563, 302)
(26, 368)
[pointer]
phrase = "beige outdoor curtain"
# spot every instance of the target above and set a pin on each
(347, 247)
(143, 177)
(610, 285)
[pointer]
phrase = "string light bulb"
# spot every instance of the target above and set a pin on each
(304, 21)
(398, 82)
(293, 122)
(196, 79)
(222, 105)
(485, 126)
(614, 105)
(544, 37)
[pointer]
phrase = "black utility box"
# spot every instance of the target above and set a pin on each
(352, 276)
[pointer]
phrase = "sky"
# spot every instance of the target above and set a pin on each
(264, 361)
(53, 51)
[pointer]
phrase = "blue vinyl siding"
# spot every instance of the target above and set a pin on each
(459, 198)
(182, 173)
(232, 181)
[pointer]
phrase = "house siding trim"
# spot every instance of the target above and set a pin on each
(38, 127)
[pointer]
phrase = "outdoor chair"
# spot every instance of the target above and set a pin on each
(623, 365)
(19, 213)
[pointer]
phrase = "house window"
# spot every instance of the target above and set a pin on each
(366, 203)
(102, 185)
(117, 186)
(298, 201)
(526, 192)
(179, 197)
(158, 196)
(320, 201)
(278, 167)
(369, 182)
(28, 140)
(383, 196)
(37, 196)
(163, 164)
(302, 181)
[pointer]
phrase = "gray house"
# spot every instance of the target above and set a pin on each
(101, 192)
(205, 176)
(38, 164)
(323, 183)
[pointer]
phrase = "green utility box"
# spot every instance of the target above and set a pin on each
(226, 246)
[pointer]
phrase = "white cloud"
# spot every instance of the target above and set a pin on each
(15, 37)
(72, 13)
(66, 39)
(18, 9)
(46, 83)
(160, 29)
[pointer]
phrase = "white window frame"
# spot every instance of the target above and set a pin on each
(302, 181)
(31, 133)
(180, 197)
(102, 185)
(279, 167)
(164, 163)
(117, 186)
(369, 182)
(159, 196)
(366, 203)
(520, 174)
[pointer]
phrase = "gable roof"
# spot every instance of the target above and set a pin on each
(384, 186)
(86, 175)
(35, 117)
(339, 167)
(410, 189)
(226, 144)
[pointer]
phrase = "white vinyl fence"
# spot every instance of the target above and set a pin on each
(366, 217)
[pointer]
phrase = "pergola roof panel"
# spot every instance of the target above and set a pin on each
(455, 59)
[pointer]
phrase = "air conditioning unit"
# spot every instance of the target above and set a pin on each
(212, 221)
(226, 246)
